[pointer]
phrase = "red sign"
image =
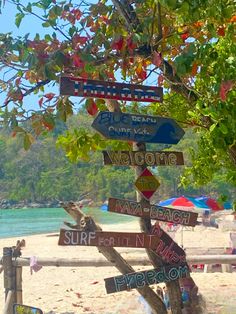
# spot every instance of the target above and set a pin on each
(109, 90)
(147, 184)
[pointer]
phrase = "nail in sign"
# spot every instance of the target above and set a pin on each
(147, 184)
(108, 239)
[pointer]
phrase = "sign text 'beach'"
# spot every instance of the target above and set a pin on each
(108, 239)
(155, 212)
(137, 128)
(72, 86)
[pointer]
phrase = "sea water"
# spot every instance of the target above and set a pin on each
(28, 221)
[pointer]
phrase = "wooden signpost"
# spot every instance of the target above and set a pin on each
(147, 277)
(156, 212)
(143, 158)
(147, 184)
(108, 239)
(137, 128)
(167, 248)
(72, 86)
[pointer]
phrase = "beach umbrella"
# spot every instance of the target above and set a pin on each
(104, 206)
(210, 202)
(184, 202)
(227, 205)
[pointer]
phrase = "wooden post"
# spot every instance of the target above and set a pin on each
(9, 278)
(19, 298)
(88, 224)
(145, 224)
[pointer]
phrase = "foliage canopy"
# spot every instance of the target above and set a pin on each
(188, 47)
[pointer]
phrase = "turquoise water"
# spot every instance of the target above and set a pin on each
(27, 221)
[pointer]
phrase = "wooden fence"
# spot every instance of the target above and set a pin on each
(12, 269)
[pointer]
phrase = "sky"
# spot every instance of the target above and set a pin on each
(32, 25)
(29, 25)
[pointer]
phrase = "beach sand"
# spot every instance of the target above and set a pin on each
(74, 290)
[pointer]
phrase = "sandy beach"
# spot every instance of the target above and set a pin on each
(74, 290)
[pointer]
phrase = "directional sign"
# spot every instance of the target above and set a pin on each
(21, 309)
(108, 239)
(168, 249)
(156, 212)
(137, 128)
(109, 90)
(146, 278)
(142, 158)
(147, 184)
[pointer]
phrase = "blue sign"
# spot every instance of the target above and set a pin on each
(137, 128)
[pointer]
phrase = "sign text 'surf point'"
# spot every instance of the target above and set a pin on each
(137, 128)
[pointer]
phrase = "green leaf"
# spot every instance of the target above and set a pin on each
(28, 141)
(18, 18)
(223, 128)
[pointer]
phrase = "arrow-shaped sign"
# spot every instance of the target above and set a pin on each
(137, 128)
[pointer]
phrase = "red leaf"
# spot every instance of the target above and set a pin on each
(49, 95)
(79, 40)
(18, 80)
(131, 45)
(79, 295)
(156, 58)
(184, 36)
(194, 69)
(225, 87)
(77, 61)
(76, 14)
(76, 304)
(91, 107)
(40, 102)
(94, 282)
(160, 80)
(118, 44)
(221, 31)
(141, 73)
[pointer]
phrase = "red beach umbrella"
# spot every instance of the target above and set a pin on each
(211, 202)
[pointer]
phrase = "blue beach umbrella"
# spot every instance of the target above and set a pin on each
(188, 203)
(104, 206)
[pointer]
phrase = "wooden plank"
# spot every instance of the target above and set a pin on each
(143, 158)
(156, 212)
(147, 184)
(147, 277)
(102, 262)
(208, 251)
(137, 128)
(168, 249)
(107, 239)
(72, 86)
